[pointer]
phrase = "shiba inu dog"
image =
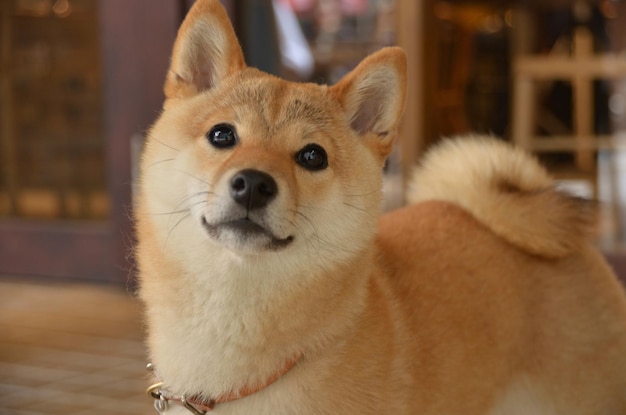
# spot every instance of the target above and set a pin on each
(272, 285)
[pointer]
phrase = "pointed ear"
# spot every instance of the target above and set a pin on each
(373, 95)
(205, 52)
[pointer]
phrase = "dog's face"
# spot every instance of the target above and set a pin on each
(245, 163)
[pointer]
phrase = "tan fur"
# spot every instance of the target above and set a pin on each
(506, 189)
(483, 298)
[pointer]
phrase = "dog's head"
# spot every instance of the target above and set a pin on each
(248, 163)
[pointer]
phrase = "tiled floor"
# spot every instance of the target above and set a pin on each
(70, 350)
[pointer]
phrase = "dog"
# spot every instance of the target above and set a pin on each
(273, 285)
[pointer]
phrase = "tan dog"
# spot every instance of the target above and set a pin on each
(272, 286)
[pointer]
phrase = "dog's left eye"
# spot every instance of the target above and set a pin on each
(222, 136)
(312, 157)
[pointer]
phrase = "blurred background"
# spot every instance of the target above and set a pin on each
(81, 82)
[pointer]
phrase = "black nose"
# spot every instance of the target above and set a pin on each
(253, 189)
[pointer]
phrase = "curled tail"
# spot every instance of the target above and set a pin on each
(507, 190)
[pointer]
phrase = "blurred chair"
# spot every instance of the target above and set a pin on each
(581, 66)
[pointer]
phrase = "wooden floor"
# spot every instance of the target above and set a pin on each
(71, 350)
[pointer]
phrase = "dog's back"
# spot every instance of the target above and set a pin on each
(496, 274)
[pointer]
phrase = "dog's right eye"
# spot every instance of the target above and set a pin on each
(222, 136)
(312, 157)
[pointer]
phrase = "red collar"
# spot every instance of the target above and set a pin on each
(198, 406)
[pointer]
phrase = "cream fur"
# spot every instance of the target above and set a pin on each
(484, 295)
(506, 189)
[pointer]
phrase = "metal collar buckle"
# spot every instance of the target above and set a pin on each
(161, 401)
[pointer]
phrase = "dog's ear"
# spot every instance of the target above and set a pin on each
(373, 95)
(205, 52)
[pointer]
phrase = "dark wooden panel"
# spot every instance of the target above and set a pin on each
(57, 249)
(137, 37)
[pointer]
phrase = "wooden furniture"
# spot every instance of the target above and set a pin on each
(581, 67)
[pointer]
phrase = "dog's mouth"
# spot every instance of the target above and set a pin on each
(248, 232)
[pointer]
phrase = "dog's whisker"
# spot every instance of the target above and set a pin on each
(183, 210)
(186, 211)
(319, 208)
(321, 242)
(161, 161)
(163, 143)
(193, 176)
(316, 242)
(191, 196)
(171, 229)
(312, 250)
(360, 209)
(369, 193)
(188, 208)
(167, 213)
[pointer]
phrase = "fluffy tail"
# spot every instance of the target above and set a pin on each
(508, 191)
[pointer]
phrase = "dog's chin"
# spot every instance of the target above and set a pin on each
(245, 236)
